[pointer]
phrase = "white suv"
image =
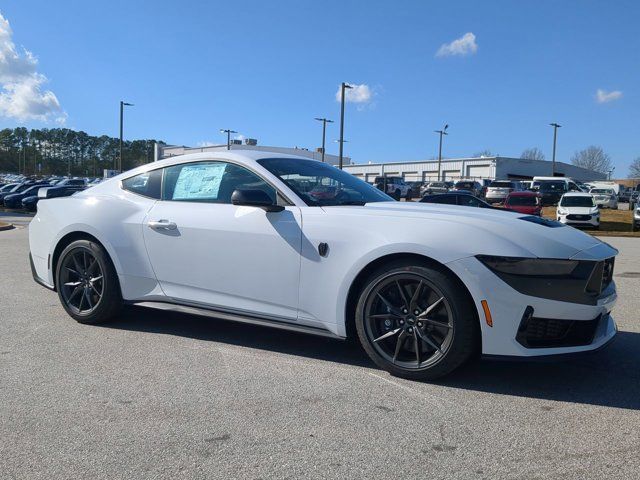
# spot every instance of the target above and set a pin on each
(605, 197)
(499, 190)
(578, 208)
(395, 186)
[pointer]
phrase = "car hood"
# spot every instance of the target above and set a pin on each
(483, 230)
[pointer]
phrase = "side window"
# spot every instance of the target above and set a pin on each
(447, 199)
(146, 184)
(210, 182)
(468, 201)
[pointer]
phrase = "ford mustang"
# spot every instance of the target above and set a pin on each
(245, 236)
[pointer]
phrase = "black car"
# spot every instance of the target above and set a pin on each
(464, 199)
(29, 203)
(18, 188)
(14, 200)
(550, 191)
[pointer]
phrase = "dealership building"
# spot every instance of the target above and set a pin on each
(423, 170)
(471, 168)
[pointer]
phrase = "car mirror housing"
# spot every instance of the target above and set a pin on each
(255, 198)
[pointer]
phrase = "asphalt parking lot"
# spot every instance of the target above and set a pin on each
(165, 395)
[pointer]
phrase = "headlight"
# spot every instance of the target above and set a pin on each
(539, 267)
(575, 281)
(562, 211)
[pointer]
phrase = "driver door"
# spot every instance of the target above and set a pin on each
(206, 251)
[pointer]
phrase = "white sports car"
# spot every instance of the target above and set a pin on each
(298, 244)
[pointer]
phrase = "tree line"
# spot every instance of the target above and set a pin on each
(62, 151)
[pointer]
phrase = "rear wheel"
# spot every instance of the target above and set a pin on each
(87, 283)
(414, 321)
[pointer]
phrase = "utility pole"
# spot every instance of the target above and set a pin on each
(343, 87)
(441, 133)
(553, 156)
(122, 105)
(228, 132)
(324, 132)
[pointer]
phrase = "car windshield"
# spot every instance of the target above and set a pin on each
(550, 186)
(319, 184)
(524, 201)
(501, 184)
(577, 201)
(602, 190)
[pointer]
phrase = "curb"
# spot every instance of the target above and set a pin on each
(8, 226)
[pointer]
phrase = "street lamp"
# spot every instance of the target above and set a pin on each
(343, 87)
(441, 133)
(553, 157)
(324, 131)
(122, 105)
(610, 172)
(228, 132)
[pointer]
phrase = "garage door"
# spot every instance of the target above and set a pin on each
(411, 177)
(450, 174)
(478, 171)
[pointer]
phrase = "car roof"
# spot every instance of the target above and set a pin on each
(577, 194)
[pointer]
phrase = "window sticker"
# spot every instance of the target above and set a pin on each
(199, 181)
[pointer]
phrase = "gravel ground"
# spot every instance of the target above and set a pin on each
(157, 395)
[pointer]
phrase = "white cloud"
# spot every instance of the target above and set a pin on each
(602, 96)
(465, 45)
(206, 143)
(358, 94)
(22, 95)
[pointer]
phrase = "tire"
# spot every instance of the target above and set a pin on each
(397, 194)
(457, 332)
(75, 270)
(409, 196)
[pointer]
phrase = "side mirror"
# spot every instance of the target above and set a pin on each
(255, 198)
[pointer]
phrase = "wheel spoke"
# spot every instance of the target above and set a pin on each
(416, 295)
(403, 295)
(416, 345)
(95, 279)
(399, 344)
(384, 316)
(431, 307)
(74, 293)
(79, 268)
(92, 266)
(388, 334)
(88, 297)
(81, 300)
(424, 337)
(436, 323)
(96, 290)
(72, 284)
(387, 303)
(73, 271)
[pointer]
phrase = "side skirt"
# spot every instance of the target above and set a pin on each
(235, 317)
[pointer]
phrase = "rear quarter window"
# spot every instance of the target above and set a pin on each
(146, 184)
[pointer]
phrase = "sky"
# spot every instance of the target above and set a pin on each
(497, 72)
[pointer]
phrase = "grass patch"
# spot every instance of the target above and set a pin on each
(612, 222)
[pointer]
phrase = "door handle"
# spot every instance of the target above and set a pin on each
(162, 225)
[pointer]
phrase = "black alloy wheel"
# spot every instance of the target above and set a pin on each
(87, 283)
(414, 322)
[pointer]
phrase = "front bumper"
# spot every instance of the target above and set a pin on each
(572, 219)
(508, 309)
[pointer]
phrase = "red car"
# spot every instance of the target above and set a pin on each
(529, 203)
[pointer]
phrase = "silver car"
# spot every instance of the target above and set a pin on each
(605, 197)
(499, 190)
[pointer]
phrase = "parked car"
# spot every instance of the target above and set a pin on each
(579, 209)
(625, 195)
(424, 287)
(472, 186)
(394, 186)
(498, 190)
(462, 198)
(526, 202)
(30, 203)
(434, 187)
(550, 190)
(14, 200)
(19, 188)
(604, 197)
(570, 185)
(636, 215)
(415, 189)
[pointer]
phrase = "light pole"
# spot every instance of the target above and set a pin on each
(324, 132)
(343, 87)
(122, 105)
(610, 172)
(441, 133)
(553, 156)
(228, 132)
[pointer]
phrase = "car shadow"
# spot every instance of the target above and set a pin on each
(610, 377)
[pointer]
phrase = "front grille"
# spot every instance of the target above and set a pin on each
(552, 333)
(574, 216)
(607, 272)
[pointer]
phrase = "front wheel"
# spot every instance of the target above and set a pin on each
(87, 283)
(414, 321)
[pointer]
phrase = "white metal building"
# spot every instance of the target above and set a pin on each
(471, 168)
